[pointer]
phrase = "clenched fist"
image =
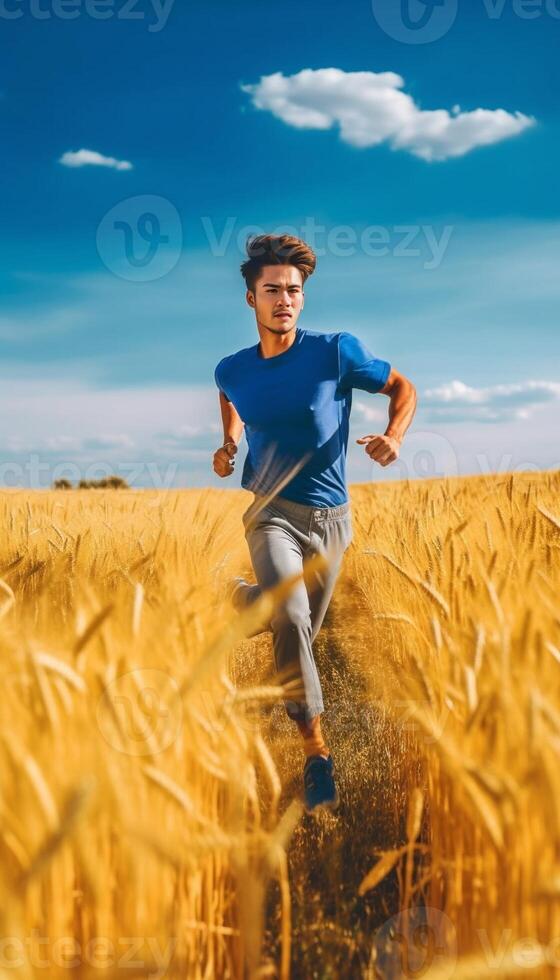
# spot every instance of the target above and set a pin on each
(224, 458)
(383, 449)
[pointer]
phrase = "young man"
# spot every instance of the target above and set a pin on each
(292, 394)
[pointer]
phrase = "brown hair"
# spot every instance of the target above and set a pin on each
(276, 250)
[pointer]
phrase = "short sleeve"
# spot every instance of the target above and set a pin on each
(219, 382)
(358, 368)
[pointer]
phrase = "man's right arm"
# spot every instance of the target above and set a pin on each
(233, 430)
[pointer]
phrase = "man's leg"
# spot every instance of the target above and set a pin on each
(321, 588)
(276, 551)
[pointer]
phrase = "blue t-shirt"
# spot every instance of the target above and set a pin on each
(296, 410)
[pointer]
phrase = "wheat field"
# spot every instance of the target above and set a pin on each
(150, 780)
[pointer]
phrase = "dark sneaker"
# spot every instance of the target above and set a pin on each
(319, 784)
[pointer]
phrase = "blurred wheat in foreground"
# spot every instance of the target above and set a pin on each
(151, 823)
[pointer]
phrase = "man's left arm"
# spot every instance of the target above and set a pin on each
(385, 448)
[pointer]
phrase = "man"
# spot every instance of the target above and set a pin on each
(291, 394)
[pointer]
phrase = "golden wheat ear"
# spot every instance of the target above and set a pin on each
(275, 472)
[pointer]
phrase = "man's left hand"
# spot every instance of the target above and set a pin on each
(383, 449)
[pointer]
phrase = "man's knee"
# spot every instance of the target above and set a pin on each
(292, 617)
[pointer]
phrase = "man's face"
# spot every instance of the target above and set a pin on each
(278, 297)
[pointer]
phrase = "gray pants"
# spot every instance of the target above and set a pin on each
(280, 537)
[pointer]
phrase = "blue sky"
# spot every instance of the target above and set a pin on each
(108, 362)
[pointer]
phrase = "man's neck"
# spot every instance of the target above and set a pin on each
(272, 344)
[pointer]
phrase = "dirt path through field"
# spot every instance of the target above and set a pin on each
(332, 927)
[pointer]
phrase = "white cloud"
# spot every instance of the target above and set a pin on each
(456, 401)
(363, 413)
(82, 158)
(117, 440)
(59, 443)
(184, 435)
(48, 323)
(371, 109)
(72, 443)
(45, 412)
(51, 428)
